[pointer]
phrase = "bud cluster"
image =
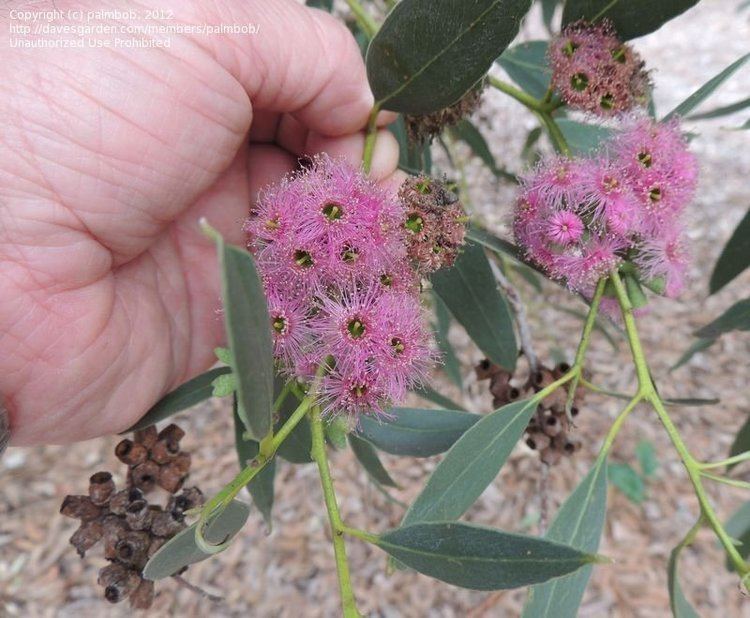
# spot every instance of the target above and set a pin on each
(594, 71)
(130, 527)
(578, 218)
(341, 262)
(549, 430)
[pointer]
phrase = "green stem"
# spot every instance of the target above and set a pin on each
(372, 134)
(522, 97)
(360, 534)
(647, 391)
(583, 345)
(555, 134)
(726, 481)
(319, 455)
(365, 22)
(613, 431)
(726, 462)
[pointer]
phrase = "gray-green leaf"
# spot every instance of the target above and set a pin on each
(737, 317)
(261, 487)
(181, 550)
(583, 138)
(734, 258)
(526, 64)
(368, 457)
(249, 335)
(628, 482)
(417, 432)
(470, 465)
(478, 557)
(700, 95)
(579, 524)
(427, 54)
(468, 133)
(469, 290)
(681, 607)
(450, 362)
(184, 396)
(738, 527)
(631, 18)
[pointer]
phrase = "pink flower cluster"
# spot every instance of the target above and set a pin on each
(331, 249)
(578, 218)
(593, 70)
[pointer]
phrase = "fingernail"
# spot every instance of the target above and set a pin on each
(4, 428)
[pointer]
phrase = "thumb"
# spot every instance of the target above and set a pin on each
(298, 60)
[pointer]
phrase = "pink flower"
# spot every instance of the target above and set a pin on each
(564, 227)
(664, 257)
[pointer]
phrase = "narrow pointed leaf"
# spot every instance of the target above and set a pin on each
(450, 363)
(261, 487)
(695, 347)
(368, 457)
(469, 290)
(724, 110)
(738, 527)
(526, 64)
(737, 317)
(427, 54)
(181, 550)
(468, 133)
(249, 336)
(478, 557)
(412, 158)
(579, 524)
(734, 258)
(430, 394)
(470, 465)
(184, 396)
(706, 90)
(631, 18)
(415, 432)
(298, 444)
(628, 482)
(741, 442)
(681, 607)
(583, 138)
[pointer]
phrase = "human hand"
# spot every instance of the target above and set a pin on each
(108, 159)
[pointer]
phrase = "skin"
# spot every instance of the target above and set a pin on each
(109, 292)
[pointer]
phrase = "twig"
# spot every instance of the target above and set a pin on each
(199, 591)
(524, 332)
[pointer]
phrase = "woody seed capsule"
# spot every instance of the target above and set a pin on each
(101, 488)
(131, 453)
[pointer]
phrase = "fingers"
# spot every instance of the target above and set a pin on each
(301, 61)
(351, 147)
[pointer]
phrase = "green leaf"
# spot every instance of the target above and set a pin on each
(741, 442)
(478, 557)
(326, 5)
(368, 457)
(468, 133)
(416, 432)
(527, 65)
(470, 465)
(493, 243)
(583, 138)
(628, 482)
(737, 317)
(472, 296)
(412, 158)
(647, 460)
(631, 18)
(184, 396)
(579, 524)
(450, 362)
(249, 335)
(450, 46)
(224, 385)
(181, 550)
(734, 258)
(738, 527)
(681, 607)
(261, 487)
(724, 110)
(298, 444)
(430, 394)
(700, 95)
(695, 347)
(336, 431)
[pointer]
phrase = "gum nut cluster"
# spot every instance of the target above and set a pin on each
(334, 255)
(594, 71)
(578, 218)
